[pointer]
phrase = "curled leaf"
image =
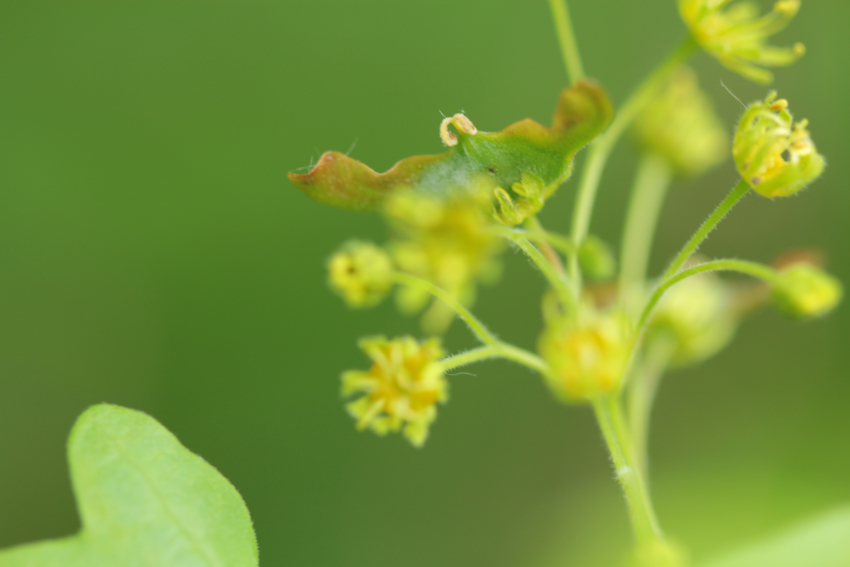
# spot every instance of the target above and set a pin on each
(474, 160)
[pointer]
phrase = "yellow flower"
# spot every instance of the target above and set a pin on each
(737, 36)
(400, 390)
(681, 126)
(588, 355)
(804, 291)
(446, 241)
(697, 315)
(767, 134)
(361, 273)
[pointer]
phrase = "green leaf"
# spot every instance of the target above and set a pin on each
(822, 542)
(496, 159)
(145, 501)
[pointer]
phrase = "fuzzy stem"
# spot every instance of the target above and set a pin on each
(641, 397)
(627, 470)
(557, 280)
(650, 187)
(499, 350)
(760, 271)
(494, 348)
(548, 250)
(567, 39)
(476, 326)
(600, 150)
(732, 199)
(558, 241)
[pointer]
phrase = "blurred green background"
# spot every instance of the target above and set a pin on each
(154, 255)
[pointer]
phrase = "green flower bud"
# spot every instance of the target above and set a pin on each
(596, 259)
(774, 155)
(361, 273)
(531, 192)
(737, 35)
(682, 126)
(696, 313)
(588, 355)
(803, 291)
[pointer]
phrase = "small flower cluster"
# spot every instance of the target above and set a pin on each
(451, 216)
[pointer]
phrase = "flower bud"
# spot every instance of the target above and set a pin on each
(596, 259)
(681, 126)
(774, 155)
(531, 192)
(400, 390)
(737, 35)
(697, 314)
(361, 273)
(588, 355)
(803, 291)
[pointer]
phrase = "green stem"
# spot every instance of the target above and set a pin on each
(548, 250)
(628, 472)
(567, 39)
(556, 279)
(760, 271)
(734, 196)
(470, 356)
(500, 350)
(650, 187)
(641, 396)
(600, 150)
(476, 326)
(558, 241)
(494, 348)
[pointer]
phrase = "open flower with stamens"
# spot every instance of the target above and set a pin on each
(775, 156)
(737, 35)
(400, 390)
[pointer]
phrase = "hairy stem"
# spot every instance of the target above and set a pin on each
(499, 350)
(558, 280)
(567, 39)
(641, 396)
(600, 150)
(548, 250)
(558, 241)
(494, 348)
(650, 187)
(476, 326)
(627, 470)
(732, 199)
(756, 270)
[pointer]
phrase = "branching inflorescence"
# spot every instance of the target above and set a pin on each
(451, 215)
